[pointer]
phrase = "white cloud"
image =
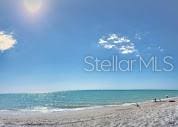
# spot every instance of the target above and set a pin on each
(160, 49)
(127, 49)
(138, 36)
(108, 46)
(155, 48)
(101, 41)
(7, 41)
(117, 42)
(112, 37)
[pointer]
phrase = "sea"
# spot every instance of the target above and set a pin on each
(78, 99)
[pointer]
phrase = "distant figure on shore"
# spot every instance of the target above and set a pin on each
(157, 100)
(137, 105)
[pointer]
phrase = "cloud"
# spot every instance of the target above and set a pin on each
(7, 41)
(155, 48)
(138, 36)
(141, 35)
(127, 49)
(119, 43)
(139, 45)
(160, 49)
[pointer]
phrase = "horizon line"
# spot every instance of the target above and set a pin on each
(83, 90)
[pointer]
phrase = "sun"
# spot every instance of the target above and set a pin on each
(33, 6)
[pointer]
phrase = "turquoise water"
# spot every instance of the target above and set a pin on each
(78, 99)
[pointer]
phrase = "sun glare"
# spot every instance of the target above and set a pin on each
(33, 6)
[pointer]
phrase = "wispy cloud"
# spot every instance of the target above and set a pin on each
(7, 41)
(139, 44)
(138, 36)
(120, 43)
(155, 48)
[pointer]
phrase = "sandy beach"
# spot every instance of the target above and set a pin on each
(148, 114)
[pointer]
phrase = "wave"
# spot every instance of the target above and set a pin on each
(48, 110)
(43, 109)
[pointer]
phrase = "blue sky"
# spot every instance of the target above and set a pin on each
(49, 40)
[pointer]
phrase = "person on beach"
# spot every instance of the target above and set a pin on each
(137, 105)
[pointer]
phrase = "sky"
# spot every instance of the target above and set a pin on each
(44, 43)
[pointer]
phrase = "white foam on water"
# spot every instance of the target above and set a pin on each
(48, 110)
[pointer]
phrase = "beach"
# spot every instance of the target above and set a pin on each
(147, 114)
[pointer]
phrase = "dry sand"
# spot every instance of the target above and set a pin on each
(149, 114)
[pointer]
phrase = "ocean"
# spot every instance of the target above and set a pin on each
(73, 100)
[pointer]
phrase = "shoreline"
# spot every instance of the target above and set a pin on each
(48, 109)
(41, 109)
(156, 114)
